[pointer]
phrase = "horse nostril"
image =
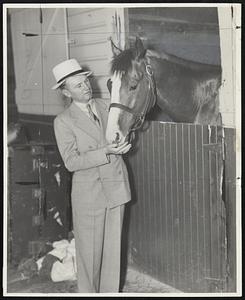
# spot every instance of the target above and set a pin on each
(117, 137)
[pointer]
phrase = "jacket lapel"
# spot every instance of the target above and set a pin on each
(84, 123)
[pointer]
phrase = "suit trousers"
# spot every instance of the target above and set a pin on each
(98, 249)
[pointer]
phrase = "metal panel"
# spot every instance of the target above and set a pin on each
(178, 216)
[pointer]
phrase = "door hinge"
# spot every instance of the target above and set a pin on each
(71, 41)
(217, 147)
(29, 34)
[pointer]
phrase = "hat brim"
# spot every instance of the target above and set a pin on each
(87, 73)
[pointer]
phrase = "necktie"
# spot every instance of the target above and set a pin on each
(92, 115)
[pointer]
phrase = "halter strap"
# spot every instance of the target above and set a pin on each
(125, 108)
(140, 117)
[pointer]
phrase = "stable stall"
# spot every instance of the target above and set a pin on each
(181, 223)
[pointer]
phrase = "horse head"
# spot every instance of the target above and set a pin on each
(132, 89)
(186, 91)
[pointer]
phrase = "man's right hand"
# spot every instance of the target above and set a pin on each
(117, 149)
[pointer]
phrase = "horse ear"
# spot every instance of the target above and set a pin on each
(109, 85)
(115, 50)
(140, 50)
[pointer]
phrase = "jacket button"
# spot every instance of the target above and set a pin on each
(120, 172)
(98, 179)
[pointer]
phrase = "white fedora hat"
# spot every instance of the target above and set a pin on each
(66, 69)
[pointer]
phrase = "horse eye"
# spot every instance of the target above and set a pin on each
(132, 88)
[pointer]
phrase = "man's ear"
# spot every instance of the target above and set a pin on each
(66, 93)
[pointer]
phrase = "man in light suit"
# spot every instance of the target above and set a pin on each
(100, 186)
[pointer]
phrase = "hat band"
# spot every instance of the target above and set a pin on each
(71, 74)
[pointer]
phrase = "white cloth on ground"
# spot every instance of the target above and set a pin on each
(65, 269)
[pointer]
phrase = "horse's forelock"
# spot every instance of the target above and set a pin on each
(123, 61)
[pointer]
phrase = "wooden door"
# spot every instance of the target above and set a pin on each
(39, 43)
(178, 214)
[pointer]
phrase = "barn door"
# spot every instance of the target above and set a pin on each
(26, 38)
(38, 39)
(178, 216)
(44, 37)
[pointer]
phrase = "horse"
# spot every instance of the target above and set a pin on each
(186, 91)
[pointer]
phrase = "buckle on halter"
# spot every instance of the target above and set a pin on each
(148, 69)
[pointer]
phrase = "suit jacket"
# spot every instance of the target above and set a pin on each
(99, 180)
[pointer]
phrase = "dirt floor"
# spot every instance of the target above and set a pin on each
(135, 282)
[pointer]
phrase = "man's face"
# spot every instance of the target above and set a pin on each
(78, 88)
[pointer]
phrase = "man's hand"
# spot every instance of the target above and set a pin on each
(117, 148)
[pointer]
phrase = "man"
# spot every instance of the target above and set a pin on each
(100, 186)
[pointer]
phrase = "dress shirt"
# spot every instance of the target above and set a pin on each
(83, 107)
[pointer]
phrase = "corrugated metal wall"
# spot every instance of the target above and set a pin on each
(178, 218)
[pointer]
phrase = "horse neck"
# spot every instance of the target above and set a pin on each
(163, 67)
(162, 57)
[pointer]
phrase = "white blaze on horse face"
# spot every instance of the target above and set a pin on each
(113, 132)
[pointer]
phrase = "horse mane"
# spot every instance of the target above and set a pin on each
(123, 61)
(194, 66)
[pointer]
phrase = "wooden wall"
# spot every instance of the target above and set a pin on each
(191, 33)
(88, 32)
(229, 194)
(38, 40)
(178, 218)
(12, 107)
(43, 37)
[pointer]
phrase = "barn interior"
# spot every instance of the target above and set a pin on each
(180, 228)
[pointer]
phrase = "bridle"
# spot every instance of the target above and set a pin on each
(151, 101)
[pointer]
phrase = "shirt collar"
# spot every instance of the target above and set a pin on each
(83, 106)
